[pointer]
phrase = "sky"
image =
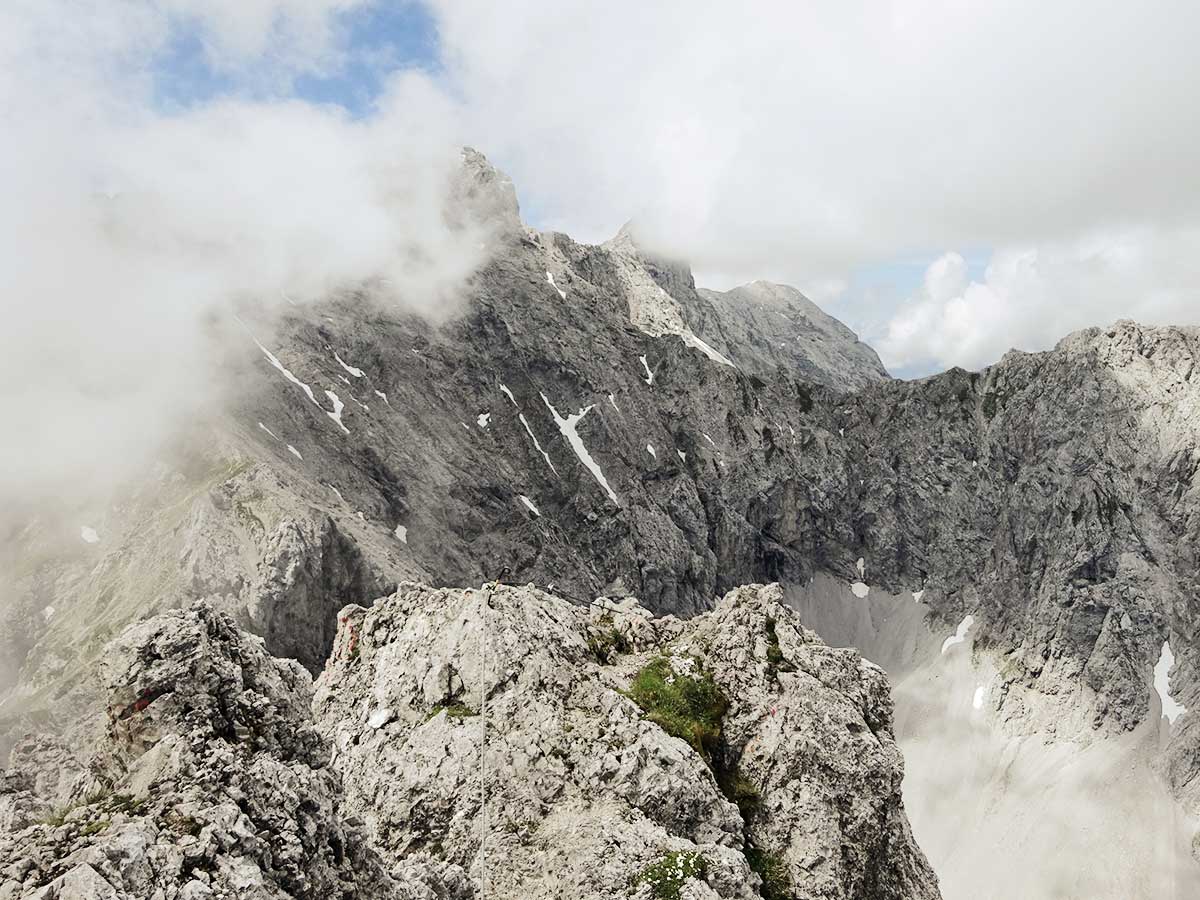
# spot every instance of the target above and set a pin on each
(951, 179)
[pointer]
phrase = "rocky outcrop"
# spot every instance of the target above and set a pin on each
(774, 326)
(249, 540)
(500, 730)
(500, 742)
(210, 782)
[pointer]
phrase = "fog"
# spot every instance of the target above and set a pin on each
(1001, 812)
(131, 227)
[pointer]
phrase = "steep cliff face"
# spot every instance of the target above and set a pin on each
(775, 325)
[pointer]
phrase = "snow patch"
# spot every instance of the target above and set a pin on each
(296, 453)
(960, 634)
(336, 491)
(509, 394)
(48, 613)
(483, 419)
(614, 403)
(529, 505)
(977, 700)
(707, 438)
(268, 430)
(401, 534)
(650, 450)
(356, 372)
(917, 595)
(336, 415)
(1171, 708)
(274, 360)
(382, 396)
(550, 281)
(649, 379)
(860, 589)
(569, 428)
(338, 406)
(533, 437)
(682, 456)
(693, 341)
(89, 535)
(861, 565)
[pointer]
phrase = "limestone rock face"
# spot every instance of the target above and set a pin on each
(777, 326)
(491, 728)
(210, 782)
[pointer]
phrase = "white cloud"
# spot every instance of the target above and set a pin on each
(1030, 297)
(794, 142)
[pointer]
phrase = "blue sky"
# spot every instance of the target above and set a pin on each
(380, 39)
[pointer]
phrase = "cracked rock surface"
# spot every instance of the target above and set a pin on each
(579, 790)
(210, 782)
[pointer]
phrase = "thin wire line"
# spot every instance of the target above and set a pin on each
(483, 799)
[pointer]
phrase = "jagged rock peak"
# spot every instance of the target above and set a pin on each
(487, 193)
(210, 782)
(790, 330)
(517, 736)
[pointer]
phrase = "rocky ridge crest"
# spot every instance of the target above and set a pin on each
(215, 779)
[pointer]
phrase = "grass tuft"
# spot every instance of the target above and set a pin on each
(686, 707)
(607, 643)
(776, 883)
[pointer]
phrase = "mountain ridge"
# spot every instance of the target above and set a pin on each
(1052, 499)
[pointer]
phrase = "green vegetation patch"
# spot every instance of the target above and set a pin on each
(777, 884)
(667, 877)
(94, 828)
(453, 710)
(684, 706)
(606, 643)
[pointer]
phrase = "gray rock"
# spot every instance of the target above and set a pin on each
(775, 325)
(210, 782)
(514, 752)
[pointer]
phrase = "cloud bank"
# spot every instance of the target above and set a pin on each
(1030, 297)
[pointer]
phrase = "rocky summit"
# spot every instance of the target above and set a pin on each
(497, 742)
(1017, 543)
